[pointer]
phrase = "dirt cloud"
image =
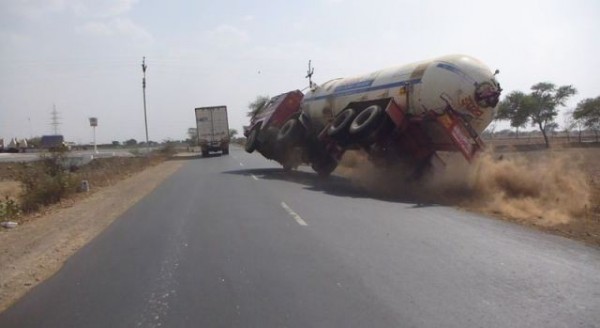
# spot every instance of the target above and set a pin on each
(543, 188)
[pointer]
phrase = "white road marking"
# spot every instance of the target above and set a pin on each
(293, 214)
(254, 177)
(241, 164)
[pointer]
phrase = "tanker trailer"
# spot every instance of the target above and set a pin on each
(405, 113)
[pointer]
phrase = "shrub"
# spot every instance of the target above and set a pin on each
(45, 182)
(9, 209)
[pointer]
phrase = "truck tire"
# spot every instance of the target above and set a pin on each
(338, 130)
(368, 125)
(251, 141)
(225, 151)
(205, 153)
(290, 133)
(366, 121)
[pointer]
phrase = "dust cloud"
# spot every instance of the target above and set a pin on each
(542, 188)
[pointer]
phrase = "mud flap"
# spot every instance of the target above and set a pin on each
(462, 135)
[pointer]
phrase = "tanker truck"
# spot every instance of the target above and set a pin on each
(406, 113)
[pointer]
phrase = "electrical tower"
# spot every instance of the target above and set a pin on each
(55, 120)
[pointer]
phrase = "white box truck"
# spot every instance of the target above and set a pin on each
(213, 129)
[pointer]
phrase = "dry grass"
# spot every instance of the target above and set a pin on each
(99, 173)
(9, 188)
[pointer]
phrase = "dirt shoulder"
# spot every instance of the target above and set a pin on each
(36, 250)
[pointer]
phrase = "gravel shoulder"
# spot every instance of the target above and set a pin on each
(35, 251)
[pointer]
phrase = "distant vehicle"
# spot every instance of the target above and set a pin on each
(213, 129)
(53, 142)
(401, 114)
(13, 146)
(22, 145)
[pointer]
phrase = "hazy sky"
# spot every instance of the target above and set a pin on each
(85, 56)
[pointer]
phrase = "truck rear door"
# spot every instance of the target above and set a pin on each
(212, 124)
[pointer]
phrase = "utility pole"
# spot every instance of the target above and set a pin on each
(309, 74)
(144, 66)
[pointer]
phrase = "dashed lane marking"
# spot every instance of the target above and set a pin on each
(293, 214)
(241, 164)
(254, 177)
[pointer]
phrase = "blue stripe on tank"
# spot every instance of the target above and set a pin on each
(344, 92)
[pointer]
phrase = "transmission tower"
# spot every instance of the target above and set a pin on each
(55, 120)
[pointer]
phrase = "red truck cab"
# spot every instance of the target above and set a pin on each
(265, 124)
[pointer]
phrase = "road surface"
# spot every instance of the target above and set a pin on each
(232, 241)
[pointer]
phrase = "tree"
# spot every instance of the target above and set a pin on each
(588, 113)
(546, 98)
(130, 142)
(116, 143)
(232, 133)
(257, 104)
(540, 106)
(514, 108)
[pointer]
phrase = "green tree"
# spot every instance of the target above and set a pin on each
(130, 142)
(588, 113)
(257, 104)
(232, 133)
(540, 107)
(546, 98)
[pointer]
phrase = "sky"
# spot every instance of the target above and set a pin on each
(84, 56)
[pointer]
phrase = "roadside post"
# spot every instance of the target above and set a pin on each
(94, 124)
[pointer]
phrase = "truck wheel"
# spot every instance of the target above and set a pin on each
(225, 151)
(204, 153)
(324, 166)
(338, 129)
(250, 145)
(290, 133)
(366, 121)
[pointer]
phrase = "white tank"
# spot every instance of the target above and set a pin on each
(461, 82)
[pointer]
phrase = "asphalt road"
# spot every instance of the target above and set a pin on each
(232, 241)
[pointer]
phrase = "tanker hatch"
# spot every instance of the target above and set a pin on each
(487, 94)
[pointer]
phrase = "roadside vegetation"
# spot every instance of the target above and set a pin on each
(541, 106)
(45, 182)
(56, 177)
